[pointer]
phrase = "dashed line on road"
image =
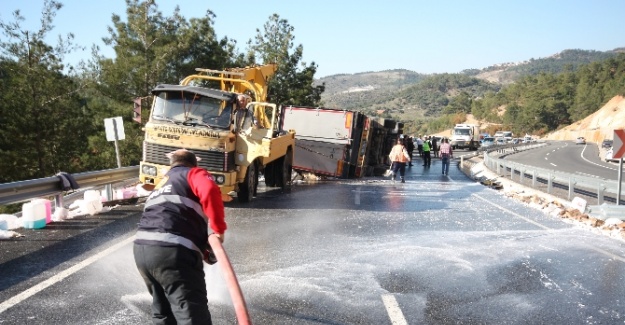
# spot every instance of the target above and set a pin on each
(554, 165)
(393, 310)
(60, 276)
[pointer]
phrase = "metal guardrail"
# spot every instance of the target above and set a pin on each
(551, 180)
(21, 191)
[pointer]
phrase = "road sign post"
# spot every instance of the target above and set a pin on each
(114, 128)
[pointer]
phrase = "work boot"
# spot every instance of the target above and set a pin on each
(393, 177)
(402, 180)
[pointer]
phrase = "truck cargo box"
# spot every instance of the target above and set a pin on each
(329, 142)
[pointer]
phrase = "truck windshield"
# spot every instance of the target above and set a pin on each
(462, 132)
(183, 107)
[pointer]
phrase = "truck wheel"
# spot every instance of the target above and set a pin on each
(270, 172)
(283, 170)
(247, 189)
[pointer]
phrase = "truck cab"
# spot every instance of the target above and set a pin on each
(234, 146)
(465, 136)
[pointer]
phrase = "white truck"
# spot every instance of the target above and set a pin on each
(465, 136)
(506, 135)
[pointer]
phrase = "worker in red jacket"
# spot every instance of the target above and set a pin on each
(172, 240)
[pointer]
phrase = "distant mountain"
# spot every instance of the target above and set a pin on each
(407, 95)
(507, 73)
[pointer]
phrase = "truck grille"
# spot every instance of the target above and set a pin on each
(209, 160)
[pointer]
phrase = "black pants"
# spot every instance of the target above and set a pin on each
(399, 167)
(427, 159)
(175, 279)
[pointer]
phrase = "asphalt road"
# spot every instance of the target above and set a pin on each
(568, 157)
(435, 250)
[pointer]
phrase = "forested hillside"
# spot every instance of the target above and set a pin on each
(550, 91)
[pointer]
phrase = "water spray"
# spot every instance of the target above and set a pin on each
(236, 294)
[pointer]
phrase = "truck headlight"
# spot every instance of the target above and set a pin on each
(219, 179)
(149, 170)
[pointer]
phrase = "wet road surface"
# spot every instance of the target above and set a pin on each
(435, 250)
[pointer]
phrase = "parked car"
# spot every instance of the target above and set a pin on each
(500, 141)
(606, 144)
(580, 140)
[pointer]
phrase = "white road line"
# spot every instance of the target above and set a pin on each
(554, 165)
(393, 310)
(594, 163)
(512, 212)
(60, 276)
(599, 250)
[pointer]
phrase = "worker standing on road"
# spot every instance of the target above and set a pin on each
(420, 146)
(427, 159)
(409, 144)
(399, 157)
(172, 241)
(435, 146)
(446, 155)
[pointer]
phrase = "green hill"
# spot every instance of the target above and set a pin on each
(407, 95)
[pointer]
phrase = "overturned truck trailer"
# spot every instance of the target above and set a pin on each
(335, 143)
(328, 141)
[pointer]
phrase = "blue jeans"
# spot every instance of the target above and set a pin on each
(445, 160)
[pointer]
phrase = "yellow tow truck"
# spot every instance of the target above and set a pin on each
(199, 115)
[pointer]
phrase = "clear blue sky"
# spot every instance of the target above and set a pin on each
(349, 36)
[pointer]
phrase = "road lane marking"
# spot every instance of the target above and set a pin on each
(512, 212)
(554, 165)
(594, 163)
(393, 310)
(596, 249)
(60, 276)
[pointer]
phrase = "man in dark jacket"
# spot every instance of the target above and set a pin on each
(172, 240)
(409, 144)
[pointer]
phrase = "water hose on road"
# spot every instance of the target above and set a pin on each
(236, 294)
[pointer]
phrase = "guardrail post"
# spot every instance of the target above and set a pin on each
(549, 183)
(58, 200)
(571, 188)
(109, 192)
(600, 191)
(533, 179)
(521, 175)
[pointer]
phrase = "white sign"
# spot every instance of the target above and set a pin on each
(114, 128)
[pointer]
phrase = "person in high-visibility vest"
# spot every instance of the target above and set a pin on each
(427, 159)
(172, 240)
